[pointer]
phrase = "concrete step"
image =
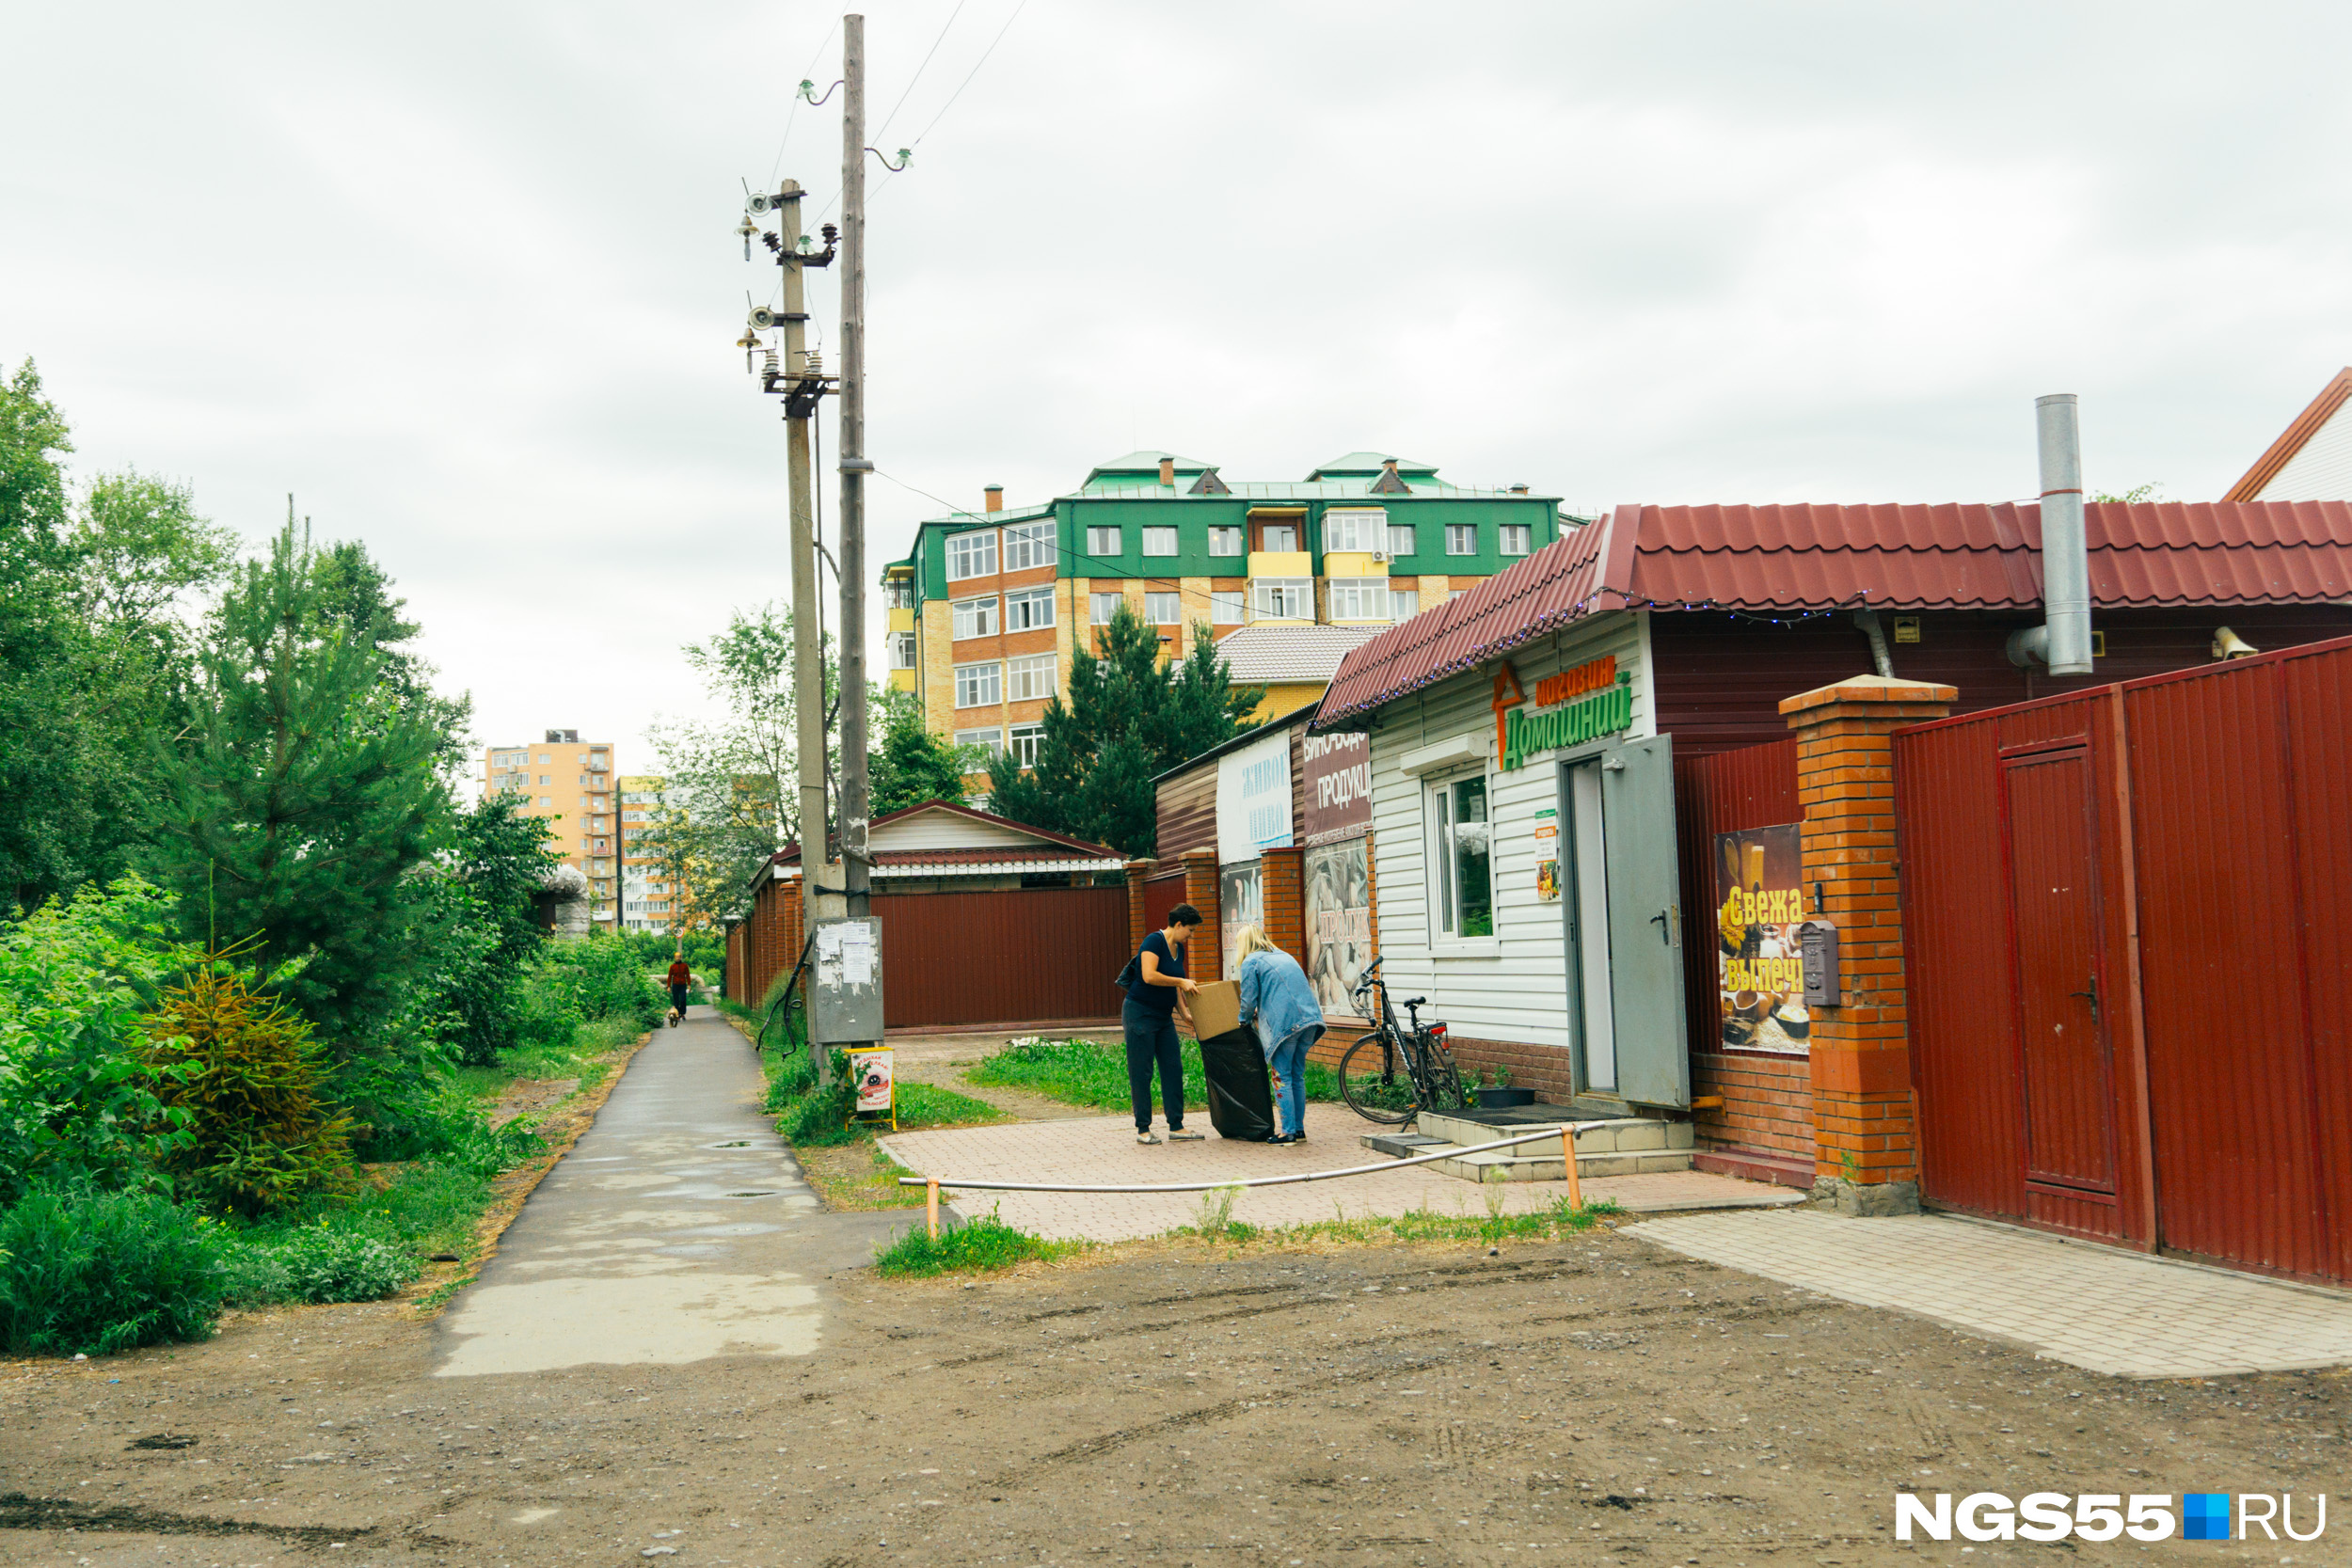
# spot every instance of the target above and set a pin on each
(1503, 1166)
(1403, 1145)
(1541, 1162)
(1627, 1135)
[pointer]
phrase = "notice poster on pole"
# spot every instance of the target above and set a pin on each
(1760, 904)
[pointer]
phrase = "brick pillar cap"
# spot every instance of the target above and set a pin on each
(1140, 866)
(1869, 688)
(1209, 855)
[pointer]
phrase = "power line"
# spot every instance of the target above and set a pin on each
(974, 71)
(790, 114)
(885, 184)
(883, 128)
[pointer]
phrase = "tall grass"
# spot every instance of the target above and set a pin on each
(979, 1246)
(93, 1273)
(1088, 1072)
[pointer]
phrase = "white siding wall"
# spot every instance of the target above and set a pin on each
(944, 830)
(1516, 988)
(2322, 471)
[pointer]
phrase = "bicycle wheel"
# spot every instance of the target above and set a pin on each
(1445, 1082)
(1371, 1084)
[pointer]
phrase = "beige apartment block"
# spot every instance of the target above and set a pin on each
(567, 783)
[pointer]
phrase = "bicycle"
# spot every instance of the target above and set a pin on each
(1429, 1081)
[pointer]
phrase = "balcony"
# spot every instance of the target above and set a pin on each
(1355, 563)
(1282, 563)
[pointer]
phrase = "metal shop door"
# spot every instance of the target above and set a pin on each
(2053, 932)
(1621, 909)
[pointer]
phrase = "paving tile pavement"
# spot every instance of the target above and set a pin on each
(2098, 1308)
(1102, 1150)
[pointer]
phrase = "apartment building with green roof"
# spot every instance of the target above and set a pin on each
(986, 608)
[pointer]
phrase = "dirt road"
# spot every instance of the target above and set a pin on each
(1598, 1400)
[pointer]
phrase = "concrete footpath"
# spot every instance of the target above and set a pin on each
(677, 1229)
(2098, 1308)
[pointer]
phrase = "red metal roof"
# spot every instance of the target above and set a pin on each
(1054, 846)
(1763, 558)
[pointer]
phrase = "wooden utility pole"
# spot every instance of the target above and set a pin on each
(808, 655)
(856, 793)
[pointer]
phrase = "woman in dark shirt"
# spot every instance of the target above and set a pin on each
(1155, 999)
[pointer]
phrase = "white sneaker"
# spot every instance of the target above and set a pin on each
(1146, 1137)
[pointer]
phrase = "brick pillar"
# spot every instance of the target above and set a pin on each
(1282, 898)
(1206, 961)
(1139, 924)
(1863, 1128)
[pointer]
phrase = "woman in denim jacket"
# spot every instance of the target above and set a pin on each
(1277, 1000)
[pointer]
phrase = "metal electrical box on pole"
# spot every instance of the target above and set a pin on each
(844, 991)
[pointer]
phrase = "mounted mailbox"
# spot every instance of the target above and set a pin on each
(1817, 945)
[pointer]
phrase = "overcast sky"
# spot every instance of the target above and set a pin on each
(463, 278)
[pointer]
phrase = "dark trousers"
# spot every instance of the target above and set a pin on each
(1152, 1038)
(677, 997)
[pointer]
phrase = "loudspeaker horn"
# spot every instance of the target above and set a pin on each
(2229, 644)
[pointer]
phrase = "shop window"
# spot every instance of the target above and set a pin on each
(1463, 896)
(971, 555)
(975, 617)
(1225, 541)
(1029, 612)
(1461, 539)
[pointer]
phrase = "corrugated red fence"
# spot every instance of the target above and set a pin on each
(2128, 915)
(1021, 955)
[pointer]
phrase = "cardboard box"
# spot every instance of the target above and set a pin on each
(1215, 1008)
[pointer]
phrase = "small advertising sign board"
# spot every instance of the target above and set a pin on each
(873, 1078)
(1759, 910)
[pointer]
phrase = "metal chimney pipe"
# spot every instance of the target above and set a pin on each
(2062, 641)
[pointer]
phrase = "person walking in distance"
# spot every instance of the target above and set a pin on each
(680, 977)
(1278, 1000)
(1156, 991)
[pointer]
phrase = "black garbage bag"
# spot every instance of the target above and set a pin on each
(1241, 1099)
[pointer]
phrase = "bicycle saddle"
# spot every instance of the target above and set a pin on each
(1414, 1002)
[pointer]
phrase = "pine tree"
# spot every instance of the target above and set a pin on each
(301, 794)
(912, 765)
(1126, 722)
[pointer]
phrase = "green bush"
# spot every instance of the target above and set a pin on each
(245, 1072)
(974, 1247)
(593, 979)
(319, 1263)
(92, 1273)
(76, 1102)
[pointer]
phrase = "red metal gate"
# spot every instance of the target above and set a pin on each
(2170, 851)
(1027, 955)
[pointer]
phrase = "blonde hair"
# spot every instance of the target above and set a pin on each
(1249, 940)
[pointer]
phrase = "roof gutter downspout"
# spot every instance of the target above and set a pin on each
(2062, 641)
